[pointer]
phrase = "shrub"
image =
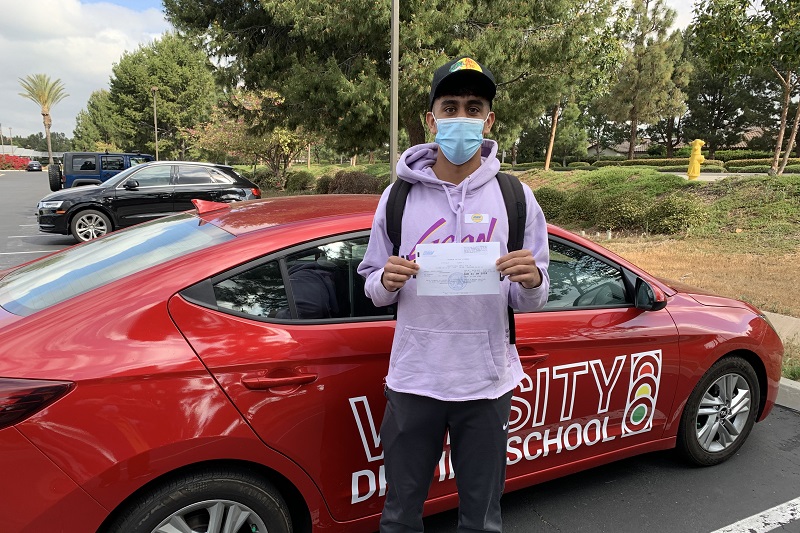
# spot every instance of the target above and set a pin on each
(13, 162)
(551, 201)
(323, 184)
(675, 161)
(299, 180)
(581, 207)
(623, 212)
(749, 169)
(763, 161)
(728, 155)
(673, 215)
(792, 169)
(578, 164)
(354, 182)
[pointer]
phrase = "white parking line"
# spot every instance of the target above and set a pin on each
(31, 252)
(778, 516)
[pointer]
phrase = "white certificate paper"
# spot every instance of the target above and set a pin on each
(455, 269)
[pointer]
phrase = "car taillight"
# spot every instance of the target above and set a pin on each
(21, 398)
(256, 192)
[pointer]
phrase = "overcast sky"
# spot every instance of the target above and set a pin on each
(78, 41)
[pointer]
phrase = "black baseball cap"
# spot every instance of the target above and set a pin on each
(460, 72)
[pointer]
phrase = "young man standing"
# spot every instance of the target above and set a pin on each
(452, 367)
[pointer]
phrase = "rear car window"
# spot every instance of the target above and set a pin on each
(84, 162)
(96, 263)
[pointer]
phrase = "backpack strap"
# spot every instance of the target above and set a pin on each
(514, 198)
(395, 206)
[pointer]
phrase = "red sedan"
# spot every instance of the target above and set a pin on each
(221, 370)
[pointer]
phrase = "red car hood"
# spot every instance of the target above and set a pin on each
(705, 297)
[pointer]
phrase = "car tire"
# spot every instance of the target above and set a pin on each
(54, 177)
(720, 412)
(89, 224)
(212, 500)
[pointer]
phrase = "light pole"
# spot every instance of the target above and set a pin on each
(393, 118)
(154, 89)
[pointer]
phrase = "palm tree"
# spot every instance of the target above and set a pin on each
(45, 92)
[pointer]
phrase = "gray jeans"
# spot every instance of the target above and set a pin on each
(412, 435)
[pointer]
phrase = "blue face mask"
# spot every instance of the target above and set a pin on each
(459, 138)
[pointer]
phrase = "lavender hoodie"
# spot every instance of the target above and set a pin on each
(453, 347)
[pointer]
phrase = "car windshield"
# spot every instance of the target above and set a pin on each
(74, 271)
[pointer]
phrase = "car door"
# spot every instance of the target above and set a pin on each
(600, 374)
(151, 198)
(302, 353)
(194, 182)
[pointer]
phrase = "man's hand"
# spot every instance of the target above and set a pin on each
(520, 266)
(396, 272)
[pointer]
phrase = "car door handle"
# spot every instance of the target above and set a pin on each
(264, 382)
(530, 357)
(164, 195)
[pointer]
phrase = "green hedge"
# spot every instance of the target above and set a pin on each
(299, 180)
(656, 162)
(750, 169)
(729, 155)
(576, 164)
(763, 161)
(685, 168)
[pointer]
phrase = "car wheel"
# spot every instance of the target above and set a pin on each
(720, 412)
(89, 224)
(54, 176)
(210, 501)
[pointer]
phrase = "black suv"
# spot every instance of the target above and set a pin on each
(138, 194)
(91, 168)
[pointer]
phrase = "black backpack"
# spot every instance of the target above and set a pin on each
(513, 197)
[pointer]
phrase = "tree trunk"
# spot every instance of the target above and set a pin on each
(632, 139)
(415, 130)
(669, 132)
(553, 127)
(787, 96)
(48, 122)
(790, 145)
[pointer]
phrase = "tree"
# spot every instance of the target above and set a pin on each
(331, 60)
(649, 84)
(96, 126)
(571, 139)
(753, 35)
(46, 93)
(228, 134)
(185, 94)
(602, 131)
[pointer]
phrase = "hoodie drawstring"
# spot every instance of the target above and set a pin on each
(458, 209)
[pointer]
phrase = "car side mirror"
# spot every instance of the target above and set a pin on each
(131, 184)
(647, 298)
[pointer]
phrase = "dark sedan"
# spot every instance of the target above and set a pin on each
(34, 166)
(139, 194)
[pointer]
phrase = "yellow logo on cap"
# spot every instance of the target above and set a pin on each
(466, 64)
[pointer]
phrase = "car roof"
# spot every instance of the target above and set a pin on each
(197, 163)
(244, 217)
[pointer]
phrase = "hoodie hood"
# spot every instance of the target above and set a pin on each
(416, 166)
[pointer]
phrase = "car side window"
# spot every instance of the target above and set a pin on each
(112, 162)
(258, 292)
(153, 176)
(323, 284)
(580, 280)
(84, 162)
(192, 175)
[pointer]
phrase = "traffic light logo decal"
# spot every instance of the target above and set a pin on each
(642, 392)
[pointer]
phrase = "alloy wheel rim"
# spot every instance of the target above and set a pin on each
(90, 227)
(213, 516)
(723, 413)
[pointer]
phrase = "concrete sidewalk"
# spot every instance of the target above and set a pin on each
(788, 329)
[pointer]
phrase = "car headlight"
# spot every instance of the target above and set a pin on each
(50, 205)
